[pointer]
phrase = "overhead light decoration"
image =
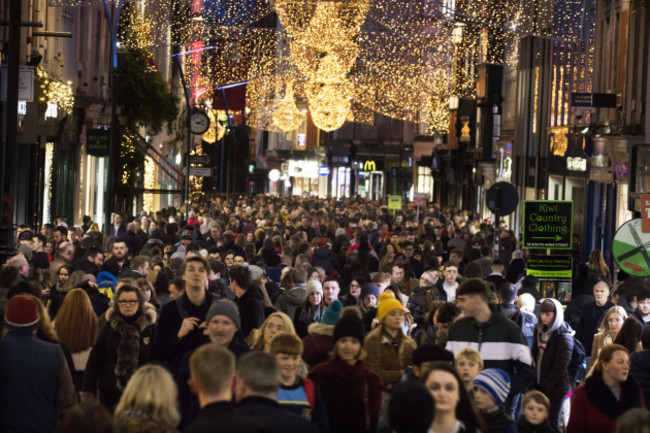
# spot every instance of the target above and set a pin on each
(286, 115)
(363, 57)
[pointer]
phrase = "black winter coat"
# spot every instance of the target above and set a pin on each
(121, 347)
(555, 361)
(251, 309)
(640, 371)
(590, 319)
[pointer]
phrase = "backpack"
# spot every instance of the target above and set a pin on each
(577, 367)
(310, 392)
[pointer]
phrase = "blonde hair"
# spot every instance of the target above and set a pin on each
(212, 368)
(258, 335)
(471, 355)
(151, 391)
(604, 325)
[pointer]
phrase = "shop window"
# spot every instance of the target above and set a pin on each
(425, 181)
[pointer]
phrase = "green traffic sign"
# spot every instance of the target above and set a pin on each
(548, 225)
(630, 249)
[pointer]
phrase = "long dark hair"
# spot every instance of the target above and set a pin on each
(630, 334)
(465, 410)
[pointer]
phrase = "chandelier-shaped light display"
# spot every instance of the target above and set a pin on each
(286, 115)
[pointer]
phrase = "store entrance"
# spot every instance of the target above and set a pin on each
(371, 185)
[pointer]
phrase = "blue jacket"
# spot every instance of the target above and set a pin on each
(35, 383)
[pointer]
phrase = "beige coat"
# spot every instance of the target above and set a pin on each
(383, 359)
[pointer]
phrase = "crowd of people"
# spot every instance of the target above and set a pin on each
(275, 314)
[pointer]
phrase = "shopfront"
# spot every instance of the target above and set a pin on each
(369, 179)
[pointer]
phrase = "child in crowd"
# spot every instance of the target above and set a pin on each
(296, 394)
(468, 364)
(536, 408)
(491, 388)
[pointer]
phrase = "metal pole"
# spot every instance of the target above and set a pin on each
(189, 140)
(232, 148)
(109, 204)
(11, 104)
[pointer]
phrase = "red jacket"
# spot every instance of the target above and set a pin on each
(586, 417)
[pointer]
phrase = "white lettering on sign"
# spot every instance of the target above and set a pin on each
(576, 163)
(22, 108)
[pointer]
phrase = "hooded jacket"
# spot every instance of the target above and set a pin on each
(385, 359)
(553, 360)
(317, 345)
(492, 340)
(251, 309)
(290, 300)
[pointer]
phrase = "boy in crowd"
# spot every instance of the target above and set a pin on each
(296, 394)
(491, 388)
(536, 408)
(469, 364)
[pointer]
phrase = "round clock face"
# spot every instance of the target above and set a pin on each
(199, 122)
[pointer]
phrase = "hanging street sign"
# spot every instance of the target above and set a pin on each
(395, 202)
(548, 225)
(97, 142)
(553, 274)
(631, 248)
(419, 199)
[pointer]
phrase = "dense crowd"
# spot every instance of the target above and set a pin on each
(271, 314)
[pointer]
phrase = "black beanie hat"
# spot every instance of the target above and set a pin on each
(348, 326)
(431, 352)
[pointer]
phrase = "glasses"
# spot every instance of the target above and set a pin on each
(127, 302)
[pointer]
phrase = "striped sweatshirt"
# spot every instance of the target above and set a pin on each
(501, 345)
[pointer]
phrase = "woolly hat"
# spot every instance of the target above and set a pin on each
(256, 272)
(22, 310)
(313, 286)
(332, 313)
(369, 289)
(224, 307)
(430, 353)
(386, 304)
(495, 382)
(106, 279)
(348, 326)
(411, 408)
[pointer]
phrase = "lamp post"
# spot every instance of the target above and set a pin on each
(109, 203)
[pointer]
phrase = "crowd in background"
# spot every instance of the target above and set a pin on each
(272, 314)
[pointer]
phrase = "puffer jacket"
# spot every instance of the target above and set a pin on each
(386, 360)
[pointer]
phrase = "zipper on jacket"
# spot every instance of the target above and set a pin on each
(480, 338)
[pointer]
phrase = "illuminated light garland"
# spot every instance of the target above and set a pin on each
(399, 56)
(286, 115)
(149, 183)
(56, 92)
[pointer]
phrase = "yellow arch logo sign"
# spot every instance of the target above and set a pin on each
(370, 166)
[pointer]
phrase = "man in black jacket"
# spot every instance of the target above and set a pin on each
(256, 386)
(119, 260)
(90, 262)
(212, 369)
(178, 324)
(248, 297)
(592, 314)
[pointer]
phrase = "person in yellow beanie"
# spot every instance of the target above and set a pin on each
(389, 350)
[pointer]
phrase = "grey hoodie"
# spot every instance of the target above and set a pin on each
(290, 300)
(544, 335)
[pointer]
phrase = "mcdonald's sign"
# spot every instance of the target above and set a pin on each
(370, 166)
